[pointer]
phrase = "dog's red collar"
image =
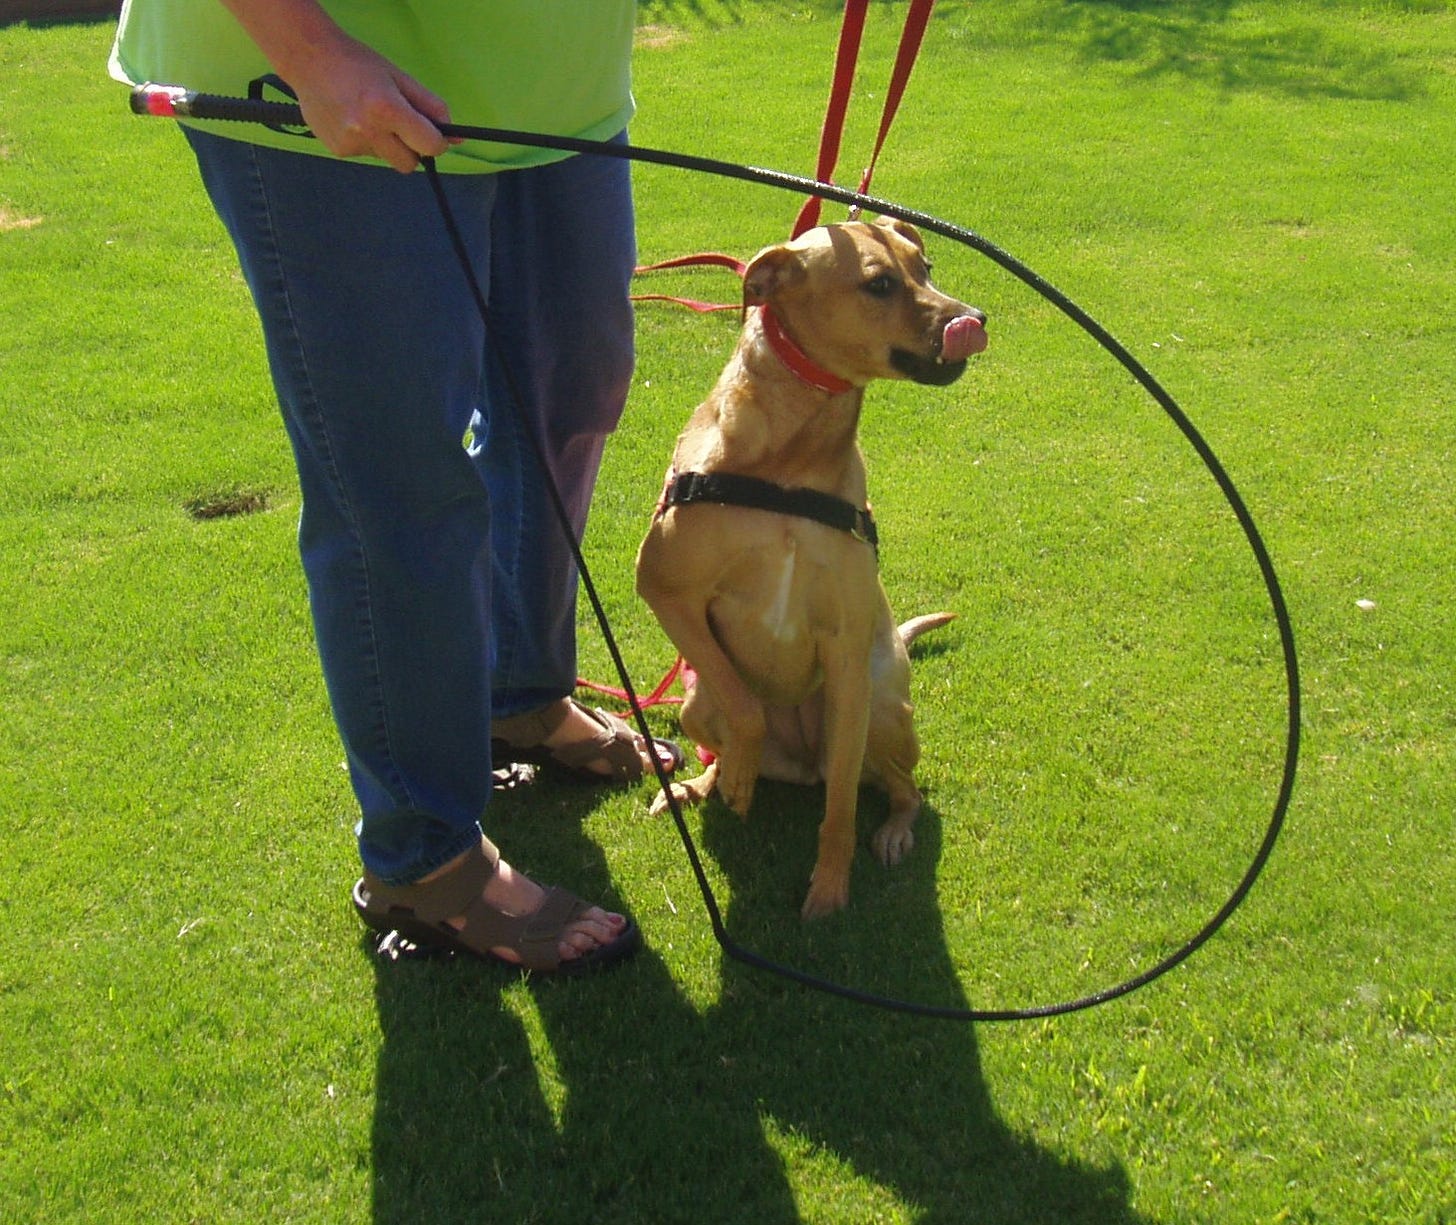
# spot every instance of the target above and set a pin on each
(799, 362)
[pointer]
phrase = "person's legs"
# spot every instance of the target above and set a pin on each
(375, 348)
(376, 359)
(561, 317)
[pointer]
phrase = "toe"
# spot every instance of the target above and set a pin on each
(592, 930)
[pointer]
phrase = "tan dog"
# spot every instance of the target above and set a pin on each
(760, 563)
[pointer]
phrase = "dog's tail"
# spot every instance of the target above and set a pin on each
(913, 628)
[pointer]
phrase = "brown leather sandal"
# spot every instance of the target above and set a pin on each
(421, 914)
(616, 744)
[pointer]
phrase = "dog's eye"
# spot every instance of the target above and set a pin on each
(881, 286)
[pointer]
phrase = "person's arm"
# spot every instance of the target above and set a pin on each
(353, 99)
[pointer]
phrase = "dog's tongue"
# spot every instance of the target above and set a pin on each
(964, 335)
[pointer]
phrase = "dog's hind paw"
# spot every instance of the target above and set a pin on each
(686, 793)
(893, 841)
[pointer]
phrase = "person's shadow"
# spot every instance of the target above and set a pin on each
(666, 1110)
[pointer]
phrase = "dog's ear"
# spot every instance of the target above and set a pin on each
(902, 228)
(771, 271)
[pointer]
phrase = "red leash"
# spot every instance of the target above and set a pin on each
(658, 697)
(916, 19)
(846, 60)
(691, 261)
(831, 134)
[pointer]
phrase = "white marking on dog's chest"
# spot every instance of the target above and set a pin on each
(776, 618)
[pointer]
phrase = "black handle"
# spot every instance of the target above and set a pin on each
(173, 102)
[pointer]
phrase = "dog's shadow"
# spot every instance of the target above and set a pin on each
(659, 1110)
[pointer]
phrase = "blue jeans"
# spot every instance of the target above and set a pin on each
(441, 583)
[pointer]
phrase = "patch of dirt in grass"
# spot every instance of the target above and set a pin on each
(658, 36)
(14, 221)
(227, 504)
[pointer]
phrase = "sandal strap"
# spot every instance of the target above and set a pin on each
(615, 744)
(526, 731)
(444, 897)
(533, 937)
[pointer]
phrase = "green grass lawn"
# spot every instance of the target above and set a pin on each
(1255, 199)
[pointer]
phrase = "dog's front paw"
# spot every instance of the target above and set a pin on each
(736, 784)
(893, 841)
(827, 894)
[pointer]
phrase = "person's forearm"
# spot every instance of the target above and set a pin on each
(296, 36)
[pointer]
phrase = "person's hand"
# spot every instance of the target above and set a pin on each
(359, 103)
(356, 102)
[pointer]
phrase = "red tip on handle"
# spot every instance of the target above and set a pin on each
(163, 101)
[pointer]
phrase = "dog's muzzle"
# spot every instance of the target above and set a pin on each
(963, 337)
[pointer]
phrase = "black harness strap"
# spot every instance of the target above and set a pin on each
(731, 489)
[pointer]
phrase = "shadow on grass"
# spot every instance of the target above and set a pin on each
(760, 1109)
(1199, 41)
(1196, 40)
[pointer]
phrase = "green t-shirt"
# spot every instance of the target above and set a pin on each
(560, 67)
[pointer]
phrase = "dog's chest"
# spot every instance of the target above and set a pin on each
(763, 599)
(781, 618)
(780, 605)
